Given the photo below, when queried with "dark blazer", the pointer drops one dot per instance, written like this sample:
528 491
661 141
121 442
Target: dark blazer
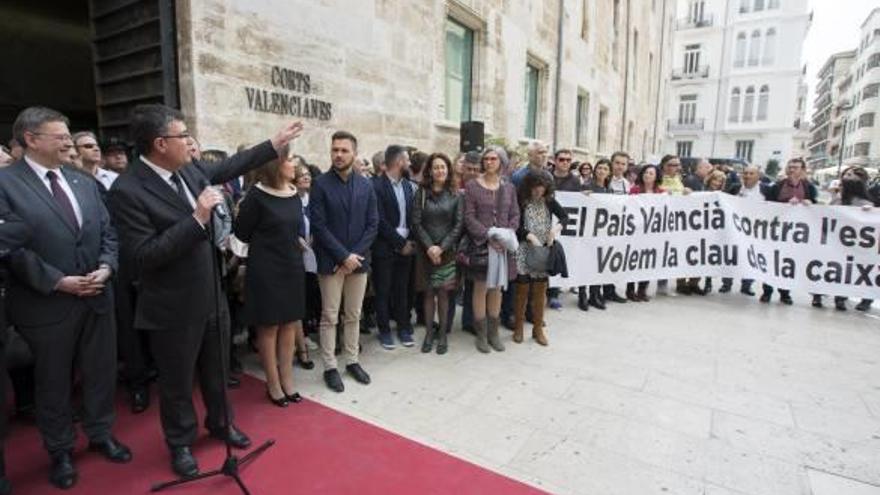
344 219
388 241
14 233
56 248
170 251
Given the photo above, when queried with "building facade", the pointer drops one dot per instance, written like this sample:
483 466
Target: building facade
737 78
410 71
859 108
826 120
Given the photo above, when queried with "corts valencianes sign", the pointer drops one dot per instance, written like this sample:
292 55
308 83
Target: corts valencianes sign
291 96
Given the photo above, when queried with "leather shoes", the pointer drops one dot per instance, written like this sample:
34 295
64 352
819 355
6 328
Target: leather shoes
358 373
140 400
63 475
183 463
614 297
233 436
112 449
333 380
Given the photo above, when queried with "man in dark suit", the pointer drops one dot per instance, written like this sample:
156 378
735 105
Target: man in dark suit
14 234
162 207
393 249
344 222
59 296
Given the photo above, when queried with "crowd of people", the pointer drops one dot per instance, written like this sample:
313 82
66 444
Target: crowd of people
145 265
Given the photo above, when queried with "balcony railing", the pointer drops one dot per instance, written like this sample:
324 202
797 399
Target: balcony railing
675 125
699 73
692 23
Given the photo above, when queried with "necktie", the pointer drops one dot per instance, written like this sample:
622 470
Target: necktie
179 187
62 199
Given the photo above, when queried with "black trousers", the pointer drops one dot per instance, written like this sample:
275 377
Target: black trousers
90 339
391 285
133 344
181 354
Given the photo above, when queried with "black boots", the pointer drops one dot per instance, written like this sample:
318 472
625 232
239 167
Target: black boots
583 303
596 300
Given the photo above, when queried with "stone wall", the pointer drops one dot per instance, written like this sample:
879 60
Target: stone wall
380 64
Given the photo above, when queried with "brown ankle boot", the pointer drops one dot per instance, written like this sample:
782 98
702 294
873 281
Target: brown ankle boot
520 298
539 301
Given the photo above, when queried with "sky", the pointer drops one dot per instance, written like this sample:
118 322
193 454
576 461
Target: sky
836 28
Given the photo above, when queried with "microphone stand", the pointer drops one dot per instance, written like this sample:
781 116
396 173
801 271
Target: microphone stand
231 463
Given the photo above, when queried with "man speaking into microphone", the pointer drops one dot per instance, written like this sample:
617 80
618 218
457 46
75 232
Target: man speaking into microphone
162 208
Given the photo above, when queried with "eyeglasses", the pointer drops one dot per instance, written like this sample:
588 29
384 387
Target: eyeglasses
87 146
564 160
59 137
183 135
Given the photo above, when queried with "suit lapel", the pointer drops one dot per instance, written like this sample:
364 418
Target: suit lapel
157 187
195 183
77 184
39 188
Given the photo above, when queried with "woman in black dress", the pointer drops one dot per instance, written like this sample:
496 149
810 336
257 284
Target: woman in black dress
270 219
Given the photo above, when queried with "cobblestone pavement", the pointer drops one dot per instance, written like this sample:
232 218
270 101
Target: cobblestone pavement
716 395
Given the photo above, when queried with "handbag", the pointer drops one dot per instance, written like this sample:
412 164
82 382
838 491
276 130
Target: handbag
537 258
471 255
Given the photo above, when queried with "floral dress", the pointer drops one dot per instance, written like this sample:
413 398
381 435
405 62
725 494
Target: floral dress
537 221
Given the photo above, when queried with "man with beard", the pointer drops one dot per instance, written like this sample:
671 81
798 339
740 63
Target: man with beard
345 221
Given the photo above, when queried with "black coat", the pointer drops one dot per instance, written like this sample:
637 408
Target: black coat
170 251
56 248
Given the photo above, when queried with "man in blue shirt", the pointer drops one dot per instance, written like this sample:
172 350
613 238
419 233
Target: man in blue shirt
344 221
393 249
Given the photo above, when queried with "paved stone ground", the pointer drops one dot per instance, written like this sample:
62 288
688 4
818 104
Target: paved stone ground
719 395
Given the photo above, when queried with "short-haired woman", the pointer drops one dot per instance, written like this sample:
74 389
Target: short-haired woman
438 221
270 219
303 182
490 202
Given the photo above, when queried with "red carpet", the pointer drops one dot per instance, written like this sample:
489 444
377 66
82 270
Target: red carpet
318 450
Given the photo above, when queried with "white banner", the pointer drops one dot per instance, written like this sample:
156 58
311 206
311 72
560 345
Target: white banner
832 250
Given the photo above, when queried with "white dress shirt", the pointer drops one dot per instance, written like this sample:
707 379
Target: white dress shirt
106 177
753 193
165 175
397 186
41 172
